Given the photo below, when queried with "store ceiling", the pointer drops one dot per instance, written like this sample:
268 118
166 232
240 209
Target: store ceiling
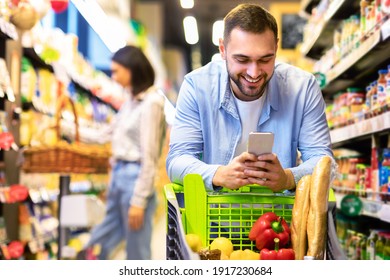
206 12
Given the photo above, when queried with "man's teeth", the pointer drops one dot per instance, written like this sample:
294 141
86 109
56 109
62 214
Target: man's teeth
252 80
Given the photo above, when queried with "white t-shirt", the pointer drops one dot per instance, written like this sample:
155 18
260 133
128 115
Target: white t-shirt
249 112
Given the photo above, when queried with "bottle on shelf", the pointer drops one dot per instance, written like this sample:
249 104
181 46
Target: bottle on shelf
388 86
381 88
354 247
386 250
384 175
379 246
374 99
374 169
350 243
362 247
363 16
372 238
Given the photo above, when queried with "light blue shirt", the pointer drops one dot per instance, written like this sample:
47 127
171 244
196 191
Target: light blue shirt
207 125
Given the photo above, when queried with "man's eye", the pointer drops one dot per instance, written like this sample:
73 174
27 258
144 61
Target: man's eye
241 60
265 60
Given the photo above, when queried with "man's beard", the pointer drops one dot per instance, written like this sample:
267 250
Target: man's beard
249 93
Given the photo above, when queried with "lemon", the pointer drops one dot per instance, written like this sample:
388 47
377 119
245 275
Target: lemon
251 255
222 243
237 255
194 241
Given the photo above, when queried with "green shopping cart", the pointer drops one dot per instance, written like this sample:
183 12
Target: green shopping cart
210 214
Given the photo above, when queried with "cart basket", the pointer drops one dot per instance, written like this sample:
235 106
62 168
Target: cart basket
229 213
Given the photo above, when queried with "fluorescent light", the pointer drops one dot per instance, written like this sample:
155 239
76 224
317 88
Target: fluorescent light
98 20
217 31
187 4
191 30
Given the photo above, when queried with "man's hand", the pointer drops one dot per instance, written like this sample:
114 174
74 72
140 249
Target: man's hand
136 217
267 171
232 176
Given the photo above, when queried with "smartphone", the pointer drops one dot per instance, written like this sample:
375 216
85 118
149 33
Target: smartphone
260 142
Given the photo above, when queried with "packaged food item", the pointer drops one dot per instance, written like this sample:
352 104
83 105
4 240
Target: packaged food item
367 103
381 88
386 250
371 245
361 252
379 246
388 82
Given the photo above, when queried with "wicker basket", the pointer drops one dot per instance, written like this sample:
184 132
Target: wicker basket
64 157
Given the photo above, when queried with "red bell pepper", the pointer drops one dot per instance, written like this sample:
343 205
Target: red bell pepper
277 254
268 227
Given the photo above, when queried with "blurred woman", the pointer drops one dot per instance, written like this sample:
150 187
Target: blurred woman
137 134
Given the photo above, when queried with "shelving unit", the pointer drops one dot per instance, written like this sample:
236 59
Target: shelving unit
64 231
360 129
356 69
375 209
322 35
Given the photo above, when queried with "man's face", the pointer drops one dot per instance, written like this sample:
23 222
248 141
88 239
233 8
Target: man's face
120 74
250 61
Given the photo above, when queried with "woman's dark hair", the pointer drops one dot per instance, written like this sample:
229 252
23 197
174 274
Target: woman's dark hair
142 73
251 18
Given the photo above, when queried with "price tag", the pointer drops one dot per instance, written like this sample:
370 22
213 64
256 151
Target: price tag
384 213
351 205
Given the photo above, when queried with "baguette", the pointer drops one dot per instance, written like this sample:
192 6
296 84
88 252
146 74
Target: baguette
299 217
317 218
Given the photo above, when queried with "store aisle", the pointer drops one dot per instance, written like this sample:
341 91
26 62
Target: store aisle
158 238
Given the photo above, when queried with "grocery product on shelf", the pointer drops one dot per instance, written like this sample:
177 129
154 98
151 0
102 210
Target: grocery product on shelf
388 85
381 87
386 249
379 246
352 54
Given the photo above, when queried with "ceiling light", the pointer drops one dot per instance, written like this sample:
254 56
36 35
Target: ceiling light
187 4
217 31
191 30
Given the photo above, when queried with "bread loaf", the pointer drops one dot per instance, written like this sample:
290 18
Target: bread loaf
317 218
299 217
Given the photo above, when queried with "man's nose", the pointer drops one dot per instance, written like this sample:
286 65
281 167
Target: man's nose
253 70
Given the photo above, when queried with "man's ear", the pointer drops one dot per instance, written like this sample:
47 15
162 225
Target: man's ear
222 50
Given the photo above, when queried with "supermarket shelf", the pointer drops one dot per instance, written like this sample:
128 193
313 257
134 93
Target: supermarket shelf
83 83
357 66
36 61
322 39
374 209
308 5
8 30
365 127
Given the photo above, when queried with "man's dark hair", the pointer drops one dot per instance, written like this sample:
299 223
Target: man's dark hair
142 73
250 18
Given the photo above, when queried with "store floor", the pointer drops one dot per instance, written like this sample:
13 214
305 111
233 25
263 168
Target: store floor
158 238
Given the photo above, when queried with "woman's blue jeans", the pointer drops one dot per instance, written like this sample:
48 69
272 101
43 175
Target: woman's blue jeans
114 228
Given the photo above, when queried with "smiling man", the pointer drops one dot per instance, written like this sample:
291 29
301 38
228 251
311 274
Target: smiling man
220 103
